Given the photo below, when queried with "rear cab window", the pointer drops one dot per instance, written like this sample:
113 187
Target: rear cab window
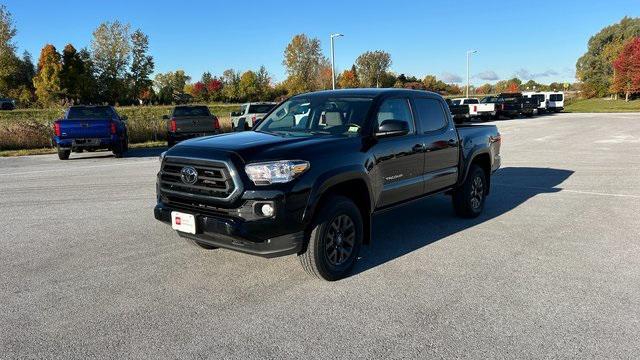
184 111
90 113
470 101
431 115
555 97
260 108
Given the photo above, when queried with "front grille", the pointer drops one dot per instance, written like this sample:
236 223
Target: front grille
214 184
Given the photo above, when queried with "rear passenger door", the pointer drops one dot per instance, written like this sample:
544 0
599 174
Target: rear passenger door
441 144
399 159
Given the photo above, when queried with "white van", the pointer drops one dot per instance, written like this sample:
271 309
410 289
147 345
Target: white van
556 101
541 97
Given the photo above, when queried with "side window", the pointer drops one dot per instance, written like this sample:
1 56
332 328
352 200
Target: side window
431 115
396 109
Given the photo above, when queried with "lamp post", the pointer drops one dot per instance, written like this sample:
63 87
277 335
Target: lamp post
333 67
468 56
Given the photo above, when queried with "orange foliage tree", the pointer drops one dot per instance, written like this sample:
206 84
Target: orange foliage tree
626 78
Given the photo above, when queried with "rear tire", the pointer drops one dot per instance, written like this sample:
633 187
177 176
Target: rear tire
468 199
118 149
335 240
63 154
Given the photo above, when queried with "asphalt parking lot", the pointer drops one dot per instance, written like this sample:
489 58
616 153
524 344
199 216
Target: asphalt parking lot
550 270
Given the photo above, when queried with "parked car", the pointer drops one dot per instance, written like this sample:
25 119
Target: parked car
309 184
471 102
250 114
460 113
529 106
189 121
505 104
541 98
90 128
7 104
556 101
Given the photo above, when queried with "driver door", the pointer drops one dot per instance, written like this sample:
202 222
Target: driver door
399 160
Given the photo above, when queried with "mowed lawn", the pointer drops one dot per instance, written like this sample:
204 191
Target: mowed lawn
602 106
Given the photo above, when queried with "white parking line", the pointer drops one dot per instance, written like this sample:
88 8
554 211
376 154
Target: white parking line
77 168
569 191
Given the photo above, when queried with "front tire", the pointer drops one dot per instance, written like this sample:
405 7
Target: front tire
468 199
335 240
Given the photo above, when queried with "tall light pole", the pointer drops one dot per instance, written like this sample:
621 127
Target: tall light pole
468 56
333 66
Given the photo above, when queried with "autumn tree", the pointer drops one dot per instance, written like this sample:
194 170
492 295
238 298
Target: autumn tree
371 67
595 67
171 85
8 58
627 69
142 64
47 79
303 61
111 51
348 80
231 85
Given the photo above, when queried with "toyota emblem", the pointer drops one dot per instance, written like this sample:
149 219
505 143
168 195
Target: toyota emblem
189 175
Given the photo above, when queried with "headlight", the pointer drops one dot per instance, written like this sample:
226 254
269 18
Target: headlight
274 172
162 154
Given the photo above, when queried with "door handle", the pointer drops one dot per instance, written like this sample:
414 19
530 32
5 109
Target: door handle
453 142
419 147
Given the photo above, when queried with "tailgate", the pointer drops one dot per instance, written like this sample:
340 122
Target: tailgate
85 129
194 124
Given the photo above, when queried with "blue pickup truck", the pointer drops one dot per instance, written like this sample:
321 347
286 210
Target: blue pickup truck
90 128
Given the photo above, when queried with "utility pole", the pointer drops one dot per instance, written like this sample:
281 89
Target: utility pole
333 66
468 56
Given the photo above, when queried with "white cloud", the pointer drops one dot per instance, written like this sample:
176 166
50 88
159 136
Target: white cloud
450 78
527 75
488 75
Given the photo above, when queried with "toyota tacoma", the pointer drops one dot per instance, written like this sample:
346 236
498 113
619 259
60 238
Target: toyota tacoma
309 178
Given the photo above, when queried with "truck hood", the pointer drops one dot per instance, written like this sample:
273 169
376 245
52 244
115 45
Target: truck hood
253 145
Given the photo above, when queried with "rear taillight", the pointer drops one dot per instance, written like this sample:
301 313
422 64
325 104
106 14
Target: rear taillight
173 126
216 123
253 119
475 108
56 128
114 128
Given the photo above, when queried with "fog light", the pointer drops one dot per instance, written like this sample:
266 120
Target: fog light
267 210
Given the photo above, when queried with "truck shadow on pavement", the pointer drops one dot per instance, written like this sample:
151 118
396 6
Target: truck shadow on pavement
132 153
400 231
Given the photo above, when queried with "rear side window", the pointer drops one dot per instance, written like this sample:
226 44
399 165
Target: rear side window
191 111
396 109
471 101
431 115
555 97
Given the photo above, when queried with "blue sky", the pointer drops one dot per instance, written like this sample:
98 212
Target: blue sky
423 37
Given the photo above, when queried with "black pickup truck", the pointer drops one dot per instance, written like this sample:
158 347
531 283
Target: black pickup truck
308 179
459 112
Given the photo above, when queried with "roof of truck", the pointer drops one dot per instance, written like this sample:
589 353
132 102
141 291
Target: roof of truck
369 92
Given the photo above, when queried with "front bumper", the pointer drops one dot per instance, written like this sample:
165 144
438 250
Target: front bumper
264 237
68 143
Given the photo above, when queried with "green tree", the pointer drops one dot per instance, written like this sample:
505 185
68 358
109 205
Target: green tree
231 85
372 66
47 80
595 68
111 51
303 60
264 84
432 83
8 58
249 87
171 85
142 64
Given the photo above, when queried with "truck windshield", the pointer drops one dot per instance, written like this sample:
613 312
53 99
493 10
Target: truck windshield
488 99
260 109
456 102
317 116
89 113
181 111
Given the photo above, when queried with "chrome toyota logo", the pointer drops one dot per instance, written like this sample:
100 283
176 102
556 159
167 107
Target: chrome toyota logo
189 175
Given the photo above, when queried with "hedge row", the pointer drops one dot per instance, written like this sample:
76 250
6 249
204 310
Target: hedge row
32 128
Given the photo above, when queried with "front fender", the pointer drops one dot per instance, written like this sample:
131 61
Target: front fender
332 178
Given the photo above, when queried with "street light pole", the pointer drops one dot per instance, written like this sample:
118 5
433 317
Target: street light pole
469 55
333 67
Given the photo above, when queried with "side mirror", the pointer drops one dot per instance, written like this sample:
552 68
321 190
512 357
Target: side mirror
165 117
392 128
